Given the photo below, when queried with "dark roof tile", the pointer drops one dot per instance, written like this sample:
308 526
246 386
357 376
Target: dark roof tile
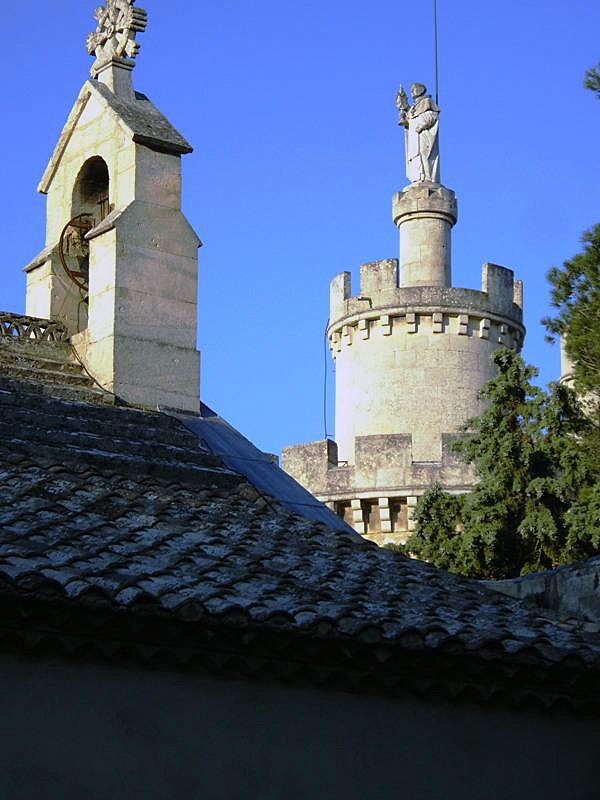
192 550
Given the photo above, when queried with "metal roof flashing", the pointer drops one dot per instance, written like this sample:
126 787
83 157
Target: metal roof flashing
240 455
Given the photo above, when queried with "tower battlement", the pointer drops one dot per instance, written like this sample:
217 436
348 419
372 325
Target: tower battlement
505 294
377 494
500 295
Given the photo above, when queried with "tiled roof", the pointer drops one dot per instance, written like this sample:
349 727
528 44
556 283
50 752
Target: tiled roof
240 455
106 507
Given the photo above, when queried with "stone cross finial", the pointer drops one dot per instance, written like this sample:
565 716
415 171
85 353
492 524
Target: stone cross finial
114 37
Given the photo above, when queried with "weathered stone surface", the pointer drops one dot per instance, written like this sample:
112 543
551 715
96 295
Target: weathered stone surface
47 366
411 355
571 593
309 463
499 285
118 22
411 380
424 214
386 295
136 332
383 463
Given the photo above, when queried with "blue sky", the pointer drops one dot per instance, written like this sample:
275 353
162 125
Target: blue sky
290 108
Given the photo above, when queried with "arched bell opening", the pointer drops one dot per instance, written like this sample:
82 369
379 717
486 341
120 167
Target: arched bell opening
91 190
89 206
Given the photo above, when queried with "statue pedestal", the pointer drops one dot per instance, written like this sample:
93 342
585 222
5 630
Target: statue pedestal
425 214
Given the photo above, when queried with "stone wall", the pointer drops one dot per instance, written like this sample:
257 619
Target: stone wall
410 361
378 493
571 593
136 328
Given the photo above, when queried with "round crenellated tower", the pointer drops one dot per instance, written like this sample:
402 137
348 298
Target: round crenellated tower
411 354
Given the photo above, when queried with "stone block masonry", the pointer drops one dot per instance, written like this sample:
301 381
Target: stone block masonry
133 324
411 354
409 365
412 359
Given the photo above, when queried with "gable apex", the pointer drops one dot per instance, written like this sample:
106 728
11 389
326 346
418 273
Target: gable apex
138 118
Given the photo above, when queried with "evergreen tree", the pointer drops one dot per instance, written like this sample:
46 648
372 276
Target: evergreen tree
533 498
437 537
537 454
592 79
576 294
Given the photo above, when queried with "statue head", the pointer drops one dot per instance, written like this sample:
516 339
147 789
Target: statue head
417 89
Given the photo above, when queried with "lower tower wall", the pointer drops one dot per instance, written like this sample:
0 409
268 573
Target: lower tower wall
378 494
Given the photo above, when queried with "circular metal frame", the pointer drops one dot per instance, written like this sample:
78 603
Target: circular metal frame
82 223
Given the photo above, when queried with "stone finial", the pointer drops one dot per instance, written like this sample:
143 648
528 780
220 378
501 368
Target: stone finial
114 37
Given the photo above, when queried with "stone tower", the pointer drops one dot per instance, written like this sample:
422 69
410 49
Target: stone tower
411 353
120 266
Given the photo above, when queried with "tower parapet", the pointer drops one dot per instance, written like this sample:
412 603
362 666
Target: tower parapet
411 354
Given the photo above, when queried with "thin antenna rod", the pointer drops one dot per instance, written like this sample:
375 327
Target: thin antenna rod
435 47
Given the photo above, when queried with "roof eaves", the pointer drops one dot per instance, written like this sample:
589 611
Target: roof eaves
229 645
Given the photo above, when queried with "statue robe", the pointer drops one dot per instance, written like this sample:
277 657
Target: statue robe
422 148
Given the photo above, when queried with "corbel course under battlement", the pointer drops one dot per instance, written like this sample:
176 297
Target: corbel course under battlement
370 324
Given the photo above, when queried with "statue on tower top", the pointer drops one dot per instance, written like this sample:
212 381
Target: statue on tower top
421 122
114 37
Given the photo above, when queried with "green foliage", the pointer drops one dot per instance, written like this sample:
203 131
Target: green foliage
533 501
592 79
536 453
583 524
438 515
576 294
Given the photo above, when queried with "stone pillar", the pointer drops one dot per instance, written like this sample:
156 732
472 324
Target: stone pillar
140 341
384 515
425 214
116 74
358 521
411 502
